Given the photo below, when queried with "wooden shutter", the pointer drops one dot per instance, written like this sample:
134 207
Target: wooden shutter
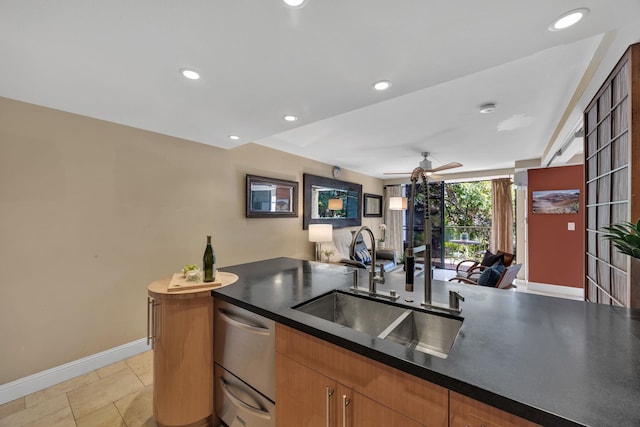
612 155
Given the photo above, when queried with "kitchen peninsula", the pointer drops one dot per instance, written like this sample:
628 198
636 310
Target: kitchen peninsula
547 360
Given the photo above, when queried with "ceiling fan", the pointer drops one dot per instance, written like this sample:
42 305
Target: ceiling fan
427 167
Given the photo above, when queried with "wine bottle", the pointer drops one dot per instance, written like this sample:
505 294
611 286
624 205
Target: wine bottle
209 262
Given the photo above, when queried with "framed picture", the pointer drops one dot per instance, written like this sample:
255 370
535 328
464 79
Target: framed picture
330 201
271 198
372 205
556 202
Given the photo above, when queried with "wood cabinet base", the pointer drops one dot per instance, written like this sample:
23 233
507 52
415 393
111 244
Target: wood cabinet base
183 359
306 366
319 384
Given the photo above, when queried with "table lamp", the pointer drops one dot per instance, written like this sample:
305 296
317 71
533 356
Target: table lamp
397 203
320 233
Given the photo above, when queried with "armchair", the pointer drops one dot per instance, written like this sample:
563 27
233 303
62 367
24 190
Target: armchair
470 268
504 281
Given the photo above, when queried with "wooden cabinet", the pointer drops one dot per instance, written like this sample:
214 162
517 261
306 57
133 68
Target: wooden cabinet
357 410
304 397
307 398
182 336
319 384
466 412
365 392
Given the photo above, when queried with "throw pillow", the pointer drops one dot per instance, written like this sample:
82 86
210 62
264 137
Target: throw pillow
363 256
490 258
490 276
507 258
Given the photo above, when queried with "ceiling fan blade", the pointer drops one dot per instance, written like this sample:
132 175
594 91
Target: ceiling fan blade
429 172
445 167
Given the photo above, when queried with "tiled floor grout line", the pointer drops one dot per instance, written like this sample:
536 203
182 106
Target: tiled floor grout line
66 394
121 414
75 419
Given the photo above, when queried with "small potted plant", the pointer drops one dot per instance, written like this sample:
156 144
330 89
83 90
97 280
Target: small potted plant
383 234
626 237
327 253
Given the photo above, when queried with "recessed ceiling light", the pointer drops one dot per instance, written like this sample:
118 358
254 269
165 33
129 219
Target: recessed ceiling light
487 108
568 19
234 137
294 3
382 85
189 73
290 118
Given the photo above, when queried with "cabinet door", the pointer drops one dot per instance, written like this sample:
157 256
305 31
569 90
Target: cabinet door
183 380
467 412
305 397
357 410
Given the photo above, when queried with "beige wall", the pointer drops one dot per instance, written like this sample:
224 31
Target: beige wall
91 212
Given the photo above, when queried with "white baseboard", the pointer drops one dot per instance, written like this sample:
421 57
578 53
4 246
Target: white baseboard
556 289
41 380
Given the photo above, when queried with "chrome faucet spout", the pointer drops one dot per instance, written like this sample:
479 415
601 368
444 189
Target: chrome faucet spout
374 278
427 276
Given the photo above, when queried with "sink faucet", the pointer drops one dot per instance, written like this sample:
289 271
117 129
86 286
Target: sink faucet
374 277
454 301
454 298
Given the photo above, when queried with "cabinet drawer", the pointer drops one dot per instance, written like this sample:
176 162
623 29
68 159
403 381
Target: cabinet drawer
238 404
244 344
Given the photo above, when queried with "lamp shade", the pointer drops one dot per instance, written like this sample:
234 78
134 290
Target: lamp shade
335 204
397 203
320 233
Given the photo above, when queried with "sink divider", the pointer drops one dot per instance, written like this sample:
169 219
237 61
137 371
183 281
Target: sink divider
395 324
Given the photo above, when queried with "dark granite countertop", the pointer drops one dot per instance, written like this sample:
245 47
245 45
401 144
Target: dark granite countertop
552 361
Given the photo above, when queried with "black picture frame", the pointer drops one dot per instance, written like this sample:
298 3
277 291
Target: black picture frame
271 197
372 205
354 208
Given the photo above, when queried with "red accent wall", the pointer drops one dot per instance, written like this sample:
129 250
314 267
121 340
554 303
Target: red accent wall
556 255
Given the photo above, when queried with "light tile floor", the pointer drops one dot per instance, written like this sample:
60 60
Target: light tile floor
118 395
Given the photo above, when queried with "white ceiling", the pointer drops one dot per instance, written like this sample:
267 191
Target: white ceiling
118 60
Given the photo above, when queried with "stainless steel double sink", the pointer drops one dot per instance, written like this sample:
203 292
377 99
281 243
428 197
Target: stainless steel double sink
429 332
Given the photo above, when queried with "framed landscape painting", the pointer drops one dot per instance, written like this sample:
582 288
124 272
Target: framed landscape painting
556 202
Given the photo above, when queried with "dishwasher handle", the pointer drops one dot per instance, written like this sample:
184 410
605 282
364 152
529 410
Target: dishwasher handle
226 316
238 402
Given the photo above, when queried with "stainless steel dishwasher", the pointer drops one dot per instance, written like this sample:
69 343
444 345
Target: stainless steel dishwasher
244 356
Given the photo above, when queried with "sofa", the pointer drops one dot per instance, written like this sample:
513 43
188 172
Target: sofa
342 238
